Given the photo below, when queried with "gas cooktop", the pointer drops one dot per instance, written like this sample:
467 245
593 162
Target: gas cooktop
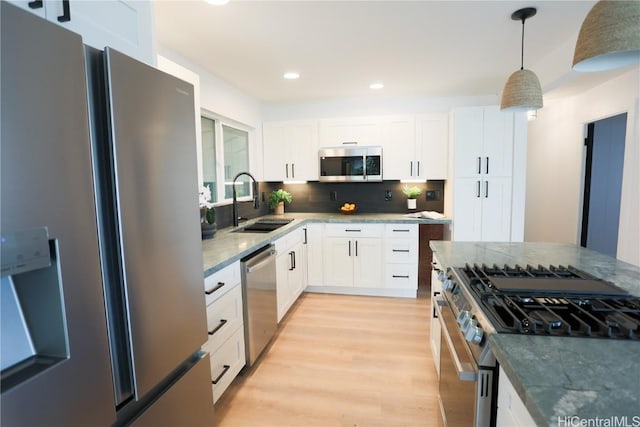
552 300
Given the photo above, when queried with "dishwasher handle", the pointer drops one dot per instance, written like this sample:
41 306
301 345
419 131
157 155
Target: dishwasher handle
263 261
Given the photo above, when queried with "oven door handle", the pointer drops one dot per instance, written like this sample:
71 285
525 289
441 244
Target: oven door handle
466 371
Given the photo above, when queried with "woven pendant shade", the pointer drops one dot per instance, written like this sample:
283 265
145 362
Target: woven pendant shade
609 37
522 92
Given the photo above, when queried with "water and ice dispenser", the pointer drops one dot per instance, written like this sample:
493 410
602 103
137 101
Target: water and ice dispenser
33 335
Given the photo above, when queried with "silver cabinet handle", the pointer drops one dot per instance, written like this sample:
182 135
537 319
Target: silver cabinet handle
293 170
356 248
399 277
292 261
352 230
286 170
400 250
349 247
486 189
418 169
487 166
479 164
411 168
478 190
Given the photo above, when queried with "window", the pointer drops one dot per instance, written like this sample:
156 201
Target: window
236 160
221 162
209 157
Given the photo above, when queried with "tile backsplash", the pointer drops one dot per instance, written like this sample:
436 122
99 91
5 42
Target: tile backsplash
370 197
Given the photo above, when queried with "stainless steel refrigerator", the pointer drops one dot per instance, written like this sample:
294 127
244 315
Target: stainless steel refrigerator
103 310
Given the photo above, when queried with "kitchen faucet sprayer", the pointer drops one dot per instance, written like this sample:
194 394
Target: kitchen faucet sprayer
256 203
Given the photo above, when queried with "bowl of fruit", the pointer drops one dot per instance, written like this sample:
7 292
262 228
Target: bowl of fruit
348 208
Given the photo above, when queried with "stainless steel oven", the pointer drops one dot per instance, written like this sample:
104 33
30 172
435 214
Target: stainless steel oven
468 379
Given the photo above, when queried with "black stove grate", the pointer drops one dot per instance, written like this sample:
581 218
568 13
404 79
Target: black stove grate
577 304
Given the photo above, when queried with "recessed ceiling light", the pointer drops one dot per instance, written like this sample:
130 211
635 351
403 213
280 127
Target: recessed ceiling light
217 2
291 76
376 85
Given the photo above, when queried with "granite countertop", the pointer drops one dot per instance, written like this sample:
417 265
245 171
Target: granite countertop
227 246
591 379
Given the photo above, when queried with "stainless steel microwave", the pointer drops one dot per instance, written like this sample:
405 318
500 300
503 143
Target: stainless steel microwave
350 164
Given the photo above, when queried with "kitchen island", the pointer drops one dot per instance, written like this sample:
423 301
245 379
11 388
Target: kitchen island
563 381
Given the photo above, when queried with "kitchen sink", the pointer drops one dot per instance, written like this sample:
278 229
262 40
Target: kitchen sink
264 226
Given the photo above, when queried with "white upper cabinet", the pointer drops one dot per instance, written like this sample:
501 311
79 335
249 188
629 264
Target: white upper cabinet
432 146
290 151
126 26
399 149
483 147
350 131
483 142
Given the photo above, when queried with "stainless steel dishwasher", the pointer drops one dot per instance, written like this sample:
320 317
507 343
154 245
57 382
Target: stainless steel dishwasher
260 302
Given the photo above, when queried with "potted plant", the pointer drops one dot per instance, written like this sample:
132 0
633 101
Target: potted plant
412 193
208 226
277 199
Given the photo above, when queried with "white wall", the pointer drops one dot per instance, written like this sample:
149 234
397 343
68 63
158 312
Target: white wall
370 106
555 167
187 75
227 102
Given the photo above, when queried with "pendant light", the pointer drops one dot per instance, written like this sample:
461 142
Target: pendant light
609 37
522 92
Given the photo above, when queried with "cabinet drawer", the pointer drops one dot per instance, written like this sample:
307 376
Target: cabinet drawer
354 230
401 230
224 316
401 276
221 282
227 362
401 251
286 242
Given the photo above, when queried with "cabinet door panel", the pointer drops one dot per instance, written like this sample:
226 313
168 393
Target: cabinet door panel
360 130
303 146
338 261
399 154
497 156
432 146
275 151
367 263
467 127
467 209
315 257
496 210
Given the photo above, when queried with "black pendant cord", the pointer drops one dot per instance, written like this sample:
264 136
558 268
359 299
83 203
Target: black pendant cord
522 47
522 15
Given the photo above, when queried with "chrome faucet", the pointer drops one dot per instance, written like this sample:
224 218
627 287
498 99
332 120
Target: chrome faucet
256 204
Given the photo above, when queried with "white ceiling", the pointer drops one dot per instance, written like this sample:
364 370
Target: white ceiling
417 48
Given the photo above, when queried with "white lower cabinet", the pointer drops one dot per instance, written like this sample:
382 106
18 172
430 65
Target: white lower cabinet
314 254
511 409
225 325
483 209
353 255
290 270
401 257
436 328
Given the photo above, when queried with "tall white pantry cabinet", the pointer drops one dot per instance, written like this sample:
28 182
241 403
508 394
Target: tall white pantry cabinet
489 170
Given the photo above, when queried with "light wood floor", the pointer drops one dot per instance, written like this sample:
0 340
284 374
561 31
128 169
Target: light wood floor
341 361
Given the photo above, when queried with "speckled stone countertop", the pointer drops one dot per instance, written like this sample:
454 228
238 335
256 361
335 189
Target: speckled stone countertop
228 246
590 379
